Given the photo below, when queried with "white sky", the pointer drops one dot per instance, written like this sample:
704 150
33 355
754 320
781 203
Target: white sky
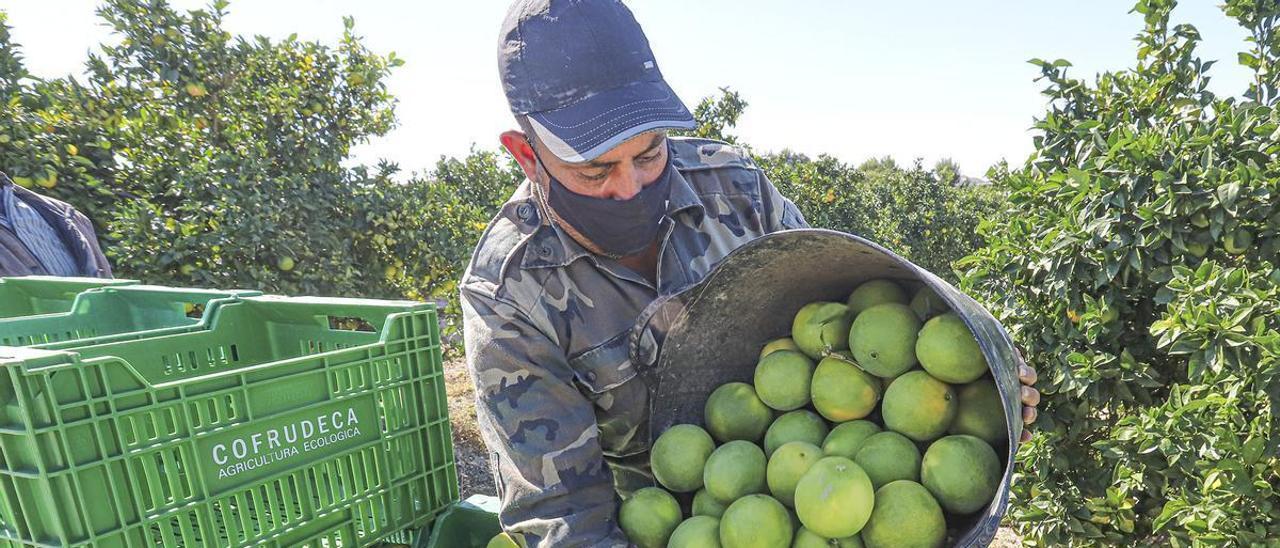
853 78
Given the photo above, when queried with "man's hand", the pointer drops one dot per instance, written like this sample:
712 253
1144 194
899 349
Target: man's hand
1030 397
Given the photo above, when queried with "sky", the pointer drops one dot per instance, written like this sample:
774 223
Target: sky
910 79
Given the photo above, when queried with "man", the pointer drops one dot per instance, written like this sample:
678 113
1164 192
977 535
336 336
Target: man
43 236
614 213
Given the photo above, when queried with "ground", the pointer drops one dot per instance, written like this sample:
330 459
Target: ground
473 465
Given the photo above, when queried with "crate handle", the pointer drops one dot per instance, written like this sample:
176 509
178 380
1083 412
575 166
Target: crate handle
350 323
341 314
187 299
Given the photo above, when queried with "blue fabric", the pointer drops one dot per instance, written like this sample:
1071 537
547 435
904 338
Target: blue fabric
585 130
34 232
4 206
584 73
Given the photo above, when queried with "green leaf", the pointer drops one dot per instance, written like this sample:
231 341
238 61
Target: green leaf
1252 450
1170 511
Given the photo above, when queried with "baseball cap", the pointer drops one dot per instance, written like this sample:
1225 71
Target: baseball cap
583 74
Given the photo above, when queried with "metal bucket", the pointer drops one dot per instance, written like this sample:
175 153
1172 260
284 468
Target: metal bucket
687 344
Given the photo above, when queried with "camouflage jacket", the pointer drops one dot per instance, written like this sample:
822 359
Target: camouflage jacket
547 328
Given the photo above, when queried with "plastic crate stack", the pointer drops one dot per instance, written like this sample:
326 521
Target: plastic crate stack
45 294
135 415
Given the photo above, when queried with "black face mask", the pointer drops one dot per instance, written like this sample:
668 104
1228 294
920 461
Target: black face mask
618 227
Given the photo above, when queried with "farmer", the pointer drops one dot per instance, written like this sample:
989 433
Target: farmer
43 236
614 213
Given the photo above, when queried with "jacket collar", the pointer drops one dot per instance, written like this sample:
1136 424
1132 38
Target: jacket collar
60 217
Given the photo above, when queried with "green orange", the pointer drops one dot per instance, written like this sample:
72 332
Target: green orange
883 339
873 293
649 516
842 391
918 406
734 412
834 498
678 456
782 379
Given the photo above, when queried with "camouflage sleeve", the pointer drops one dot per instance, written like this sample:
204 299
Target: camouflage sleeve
782 213
541 432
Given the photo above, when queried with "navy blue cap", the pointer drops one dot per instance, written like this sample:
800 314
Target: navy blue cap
583 73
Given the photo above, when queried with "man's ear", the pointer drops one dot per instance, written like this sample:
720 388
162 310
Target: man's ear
517 144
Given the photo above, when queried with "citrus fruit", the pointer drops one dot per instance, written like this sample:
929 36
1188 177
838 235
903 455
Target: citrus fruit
979 412
502 540
883 339
962 472
905 515
1237 241
734 412
808 539
649 516
841 391
845 439
799 425
787 465
696 532
755 521
1197 248
706 505
782 379
50 180
948 351
918 406
775 345
873 293
734 470
889 456
927 304
821 327
678 456
834 498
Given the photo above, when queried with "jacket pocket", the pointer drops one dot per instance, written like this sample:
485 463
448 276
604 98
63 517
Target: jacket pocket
605 366
621 399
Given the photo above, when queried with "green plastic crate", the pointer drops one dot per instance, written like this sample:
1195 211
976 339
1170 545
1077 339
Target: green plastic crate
31 295
100 315
471 523
289 422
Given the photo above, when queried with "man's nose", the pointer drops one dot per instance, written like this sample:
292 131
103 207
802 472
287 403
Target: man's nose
624 183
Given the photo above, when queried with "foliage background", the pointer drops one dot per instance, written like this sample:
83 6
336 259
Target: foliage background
212 160
1134 261
1131 255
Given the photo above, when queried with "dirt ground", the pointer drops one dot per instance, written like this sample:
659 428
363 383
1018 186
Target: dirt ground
473 465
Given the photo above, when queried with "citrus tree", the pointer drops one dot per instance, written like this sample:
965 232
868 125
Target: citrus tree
1134 263
213 160
432 224
235 148
12 70
914 212
207 159
924 215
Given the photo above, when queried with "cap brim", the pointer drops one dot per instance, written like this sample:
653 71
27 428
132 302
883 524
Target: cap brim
583 131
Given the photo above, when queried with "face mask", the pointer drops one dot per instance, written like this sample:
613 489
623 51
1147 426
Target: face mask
618 227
